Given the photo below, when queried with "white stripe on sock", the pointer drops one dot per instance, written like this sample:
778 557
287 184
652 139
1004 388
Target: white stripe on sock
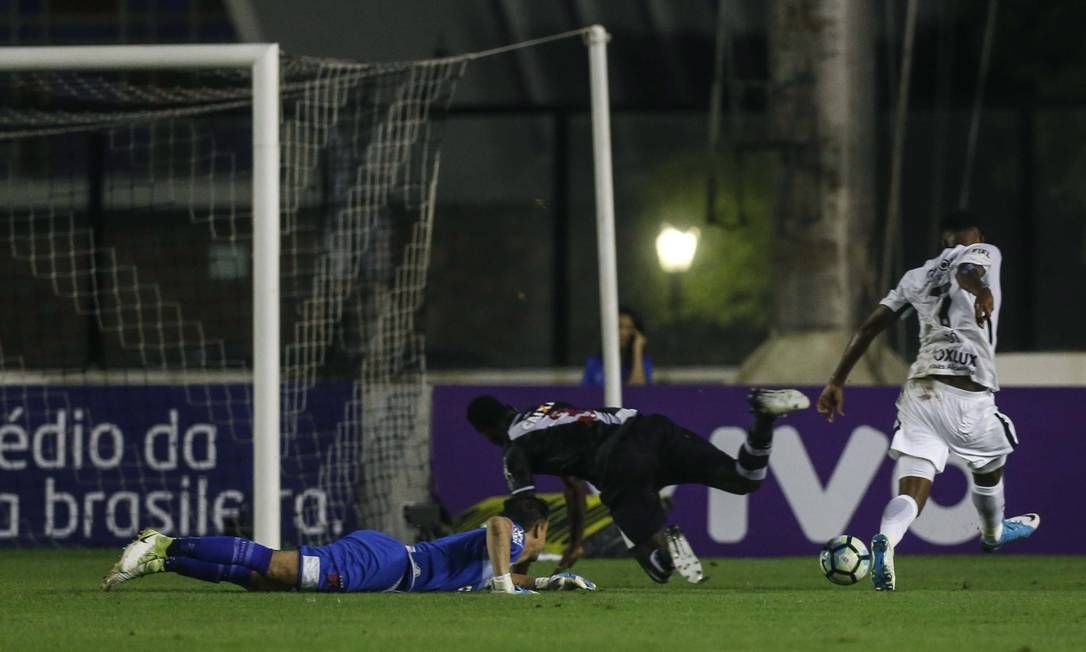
757 452
751 474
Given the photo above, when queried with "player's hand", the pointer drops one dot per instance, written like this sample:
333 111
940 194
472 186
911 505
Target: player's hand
564 582
504 584
570 557
639 340
984 305
832 400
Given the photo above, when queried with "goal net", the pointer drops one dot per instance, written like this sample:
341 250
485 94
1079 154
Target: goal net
212 275
126 288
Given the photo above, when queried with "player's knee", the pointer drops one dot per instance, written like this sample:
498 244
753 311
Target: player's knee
991 473
741 485
736 484
746 485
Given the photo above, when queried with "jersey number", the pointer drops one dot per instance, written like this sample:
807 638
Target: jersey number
944 311
944 306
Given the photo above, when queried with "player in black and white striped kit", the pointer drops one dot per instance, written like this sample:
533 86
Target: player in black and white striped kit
629 457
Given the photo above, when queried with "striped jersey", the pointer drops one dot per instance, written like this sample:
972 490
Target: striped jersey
558 439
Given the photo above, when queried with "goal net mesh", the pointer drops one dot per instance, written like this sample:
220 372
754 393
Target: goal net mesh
126 272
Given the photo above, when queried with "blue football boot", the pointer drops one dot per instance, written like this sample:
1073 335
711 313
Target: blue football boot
1014 529
882 563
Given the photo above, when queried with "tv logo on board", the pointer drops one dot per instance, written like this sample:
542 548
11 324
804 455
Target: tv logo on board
824 511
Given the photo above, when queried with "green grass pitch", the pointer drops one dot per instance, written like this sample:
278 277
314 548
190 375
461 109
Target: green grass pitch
50 600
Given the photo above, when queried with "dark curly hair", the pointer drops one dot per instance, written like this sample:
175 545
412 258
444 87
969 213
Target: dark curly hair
526 510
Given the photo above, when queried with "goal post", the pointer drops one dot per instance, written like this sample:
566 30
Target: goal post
342 175
605 213
266 372
263 60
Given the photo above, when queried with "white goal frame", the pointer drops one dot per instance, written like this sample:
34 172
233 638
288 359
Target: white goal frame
263 60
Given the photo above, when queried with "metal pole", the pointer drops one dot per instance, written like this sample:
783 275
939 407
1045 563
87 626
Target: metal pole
978 104
893 204
131 57
263 59
605 214
266 480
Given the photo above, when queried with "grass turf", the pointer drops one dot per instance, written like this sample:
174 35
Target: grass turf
50 600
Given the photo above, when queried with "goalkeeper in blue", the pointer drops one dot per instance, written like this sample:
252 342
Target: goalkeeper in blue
362 562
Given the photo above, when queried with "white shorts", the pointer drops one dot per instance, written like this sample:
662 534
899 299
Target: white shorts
935 419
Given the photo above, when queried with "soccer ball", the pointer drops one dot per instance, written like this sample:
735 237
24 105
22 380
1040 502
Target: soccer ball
844 560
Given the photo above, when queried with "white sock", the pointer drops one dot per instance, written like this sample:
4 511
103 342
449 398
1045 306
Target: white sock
989 502
897 517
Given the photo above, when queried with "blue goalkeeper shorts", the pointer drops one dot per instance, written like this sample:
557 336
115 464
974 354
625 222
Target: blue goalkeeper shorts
362 561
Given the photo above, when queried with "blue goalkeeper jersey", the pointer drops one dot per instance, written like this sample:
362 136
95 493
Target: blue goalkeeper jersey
458 562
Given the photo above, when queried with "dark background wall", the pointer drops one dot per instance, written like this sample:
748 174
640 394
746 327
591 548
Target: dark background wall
512 281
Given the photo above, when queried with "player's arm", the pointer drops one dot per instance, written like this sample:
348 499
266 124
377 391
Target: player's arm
518 469
971 279
637 362
574 491
518 474
833 396
499 532
521 568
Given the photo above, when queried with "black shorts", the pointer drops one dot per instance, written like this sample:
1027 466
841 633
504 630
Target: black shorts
654 452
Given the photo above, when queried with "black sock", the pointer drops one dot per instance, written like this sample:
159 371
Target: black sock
760 434
754 453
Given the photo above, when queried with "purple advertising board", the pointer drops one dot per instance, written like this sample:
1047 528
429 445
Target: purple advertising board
98 463
825 479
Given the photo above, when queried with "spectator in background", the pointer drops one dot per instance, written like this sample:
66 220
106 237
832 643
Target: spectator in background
636 366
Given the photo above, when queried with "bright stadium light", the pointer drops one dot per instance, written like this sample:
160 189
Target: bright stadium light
675 249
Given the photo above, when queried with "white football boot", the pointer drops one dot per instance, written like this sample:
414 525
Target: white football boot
777 402
145 555
683 557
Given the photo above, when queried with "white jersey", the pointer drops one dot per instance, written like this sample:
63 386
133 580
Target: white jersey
951 342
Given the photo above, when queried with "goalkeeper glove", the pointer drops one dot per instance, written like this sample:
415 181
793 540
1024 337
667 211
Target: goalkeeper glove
504 584
564 582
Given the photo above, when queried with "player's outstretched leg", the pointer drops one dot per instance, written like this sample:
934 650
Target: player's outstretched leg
766 405
223 550
988 498
690 459
777 402
914 486
1014 529
210 559
145 555
898 515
